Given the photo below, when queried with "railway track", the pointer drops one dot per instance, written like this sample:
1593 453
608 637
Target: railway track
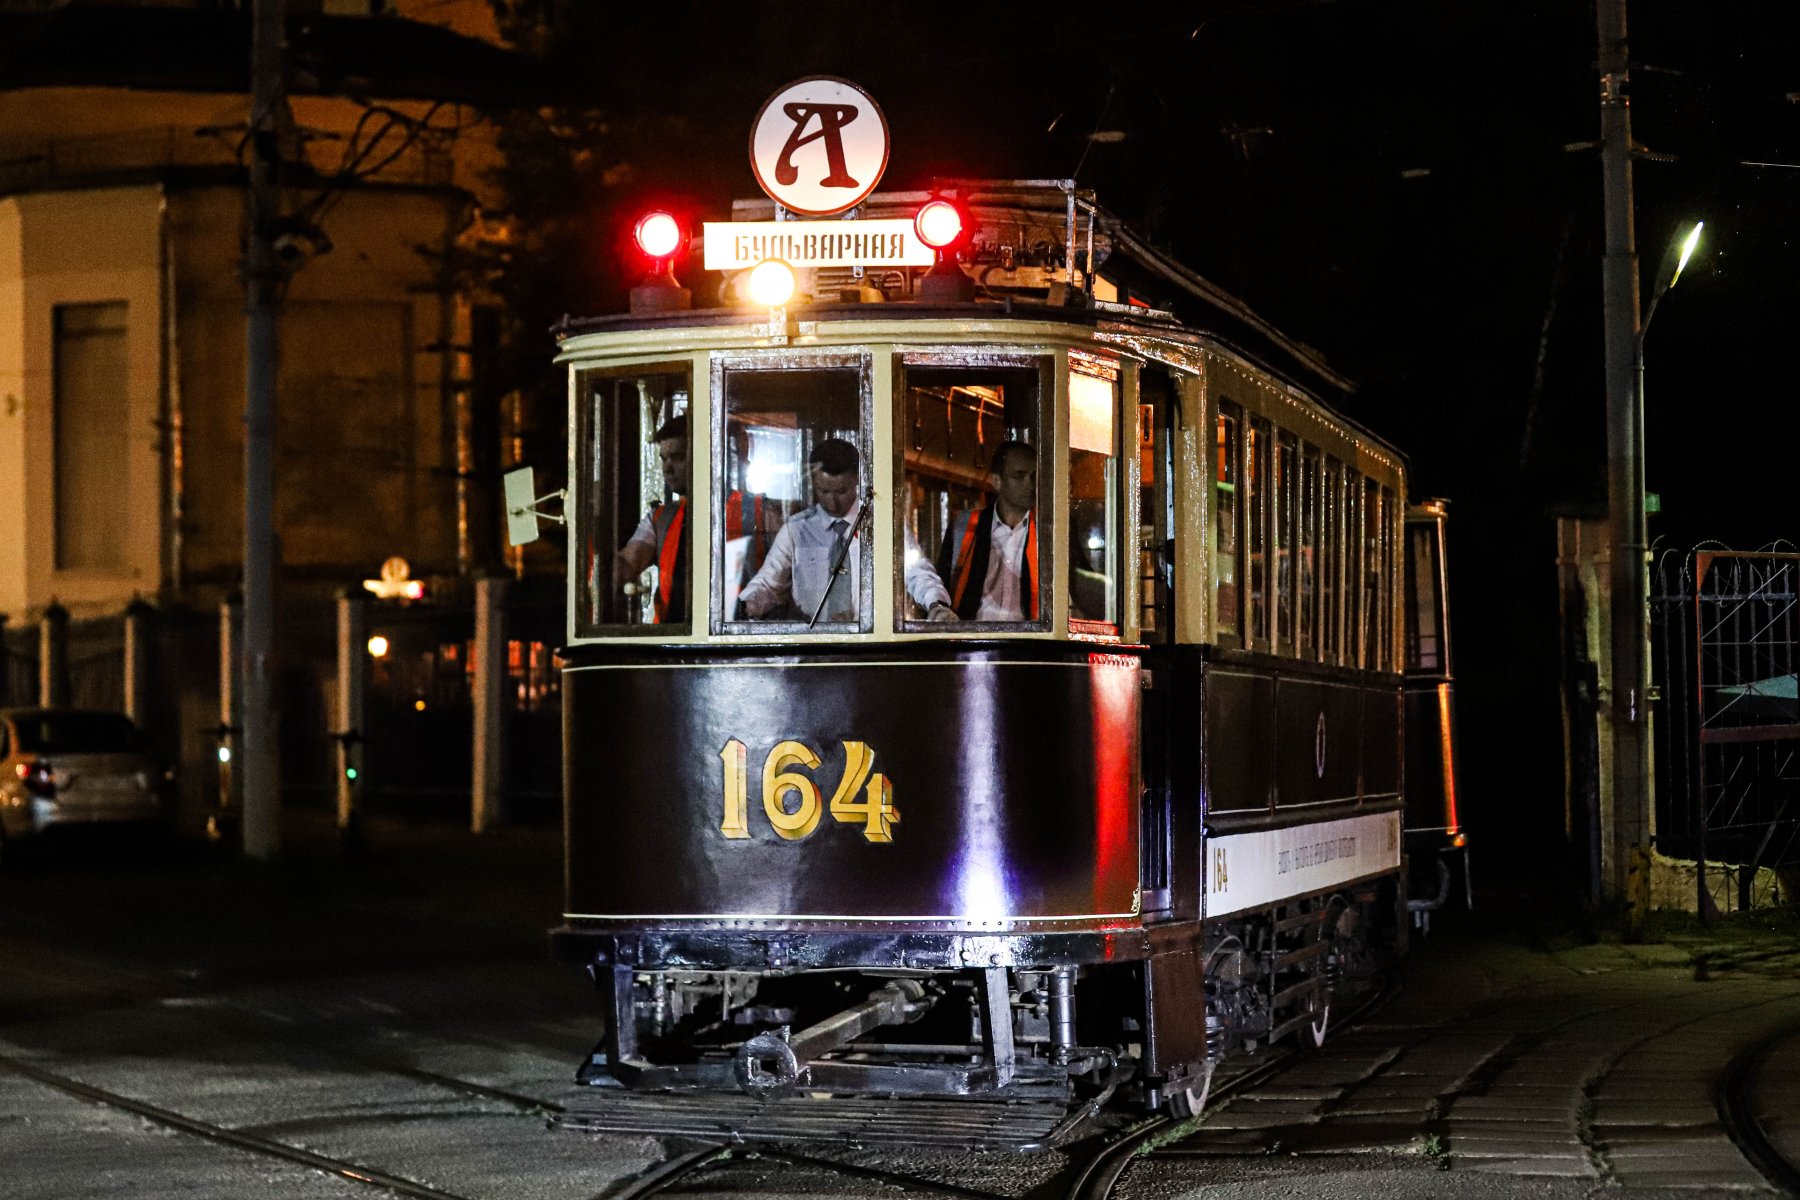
354 1172
1096 1165
252 1024
1742 1112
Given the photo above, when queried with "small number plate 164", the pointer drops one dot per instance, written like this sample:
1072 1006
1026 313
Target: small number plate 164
793 802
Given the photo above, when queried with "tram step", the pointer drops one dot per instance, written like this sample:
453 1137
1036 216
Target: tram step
971 1124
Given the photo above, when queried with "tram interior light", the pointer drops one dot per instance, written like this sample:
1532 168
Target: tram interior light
657 234
771 283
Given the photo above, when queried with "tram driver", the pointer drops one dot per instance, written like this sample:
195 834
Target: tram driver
663 538
987 568
814 557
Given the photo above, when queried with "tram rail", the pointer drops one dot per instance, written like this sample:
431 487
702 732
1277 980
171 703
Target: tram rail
353 1172
1742 1114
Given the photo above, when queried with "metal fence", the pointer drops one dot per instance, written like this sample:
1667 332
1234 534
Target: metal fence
1726 644
419 713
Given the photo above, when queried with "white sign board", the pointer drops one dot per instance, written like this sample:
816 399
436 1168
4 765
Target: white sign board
819 145
520 488
1254 870
732 245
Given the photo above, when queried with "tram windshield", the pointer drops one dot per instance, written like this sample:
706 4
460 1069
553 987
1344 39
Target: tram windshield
972 543
793 536
635 481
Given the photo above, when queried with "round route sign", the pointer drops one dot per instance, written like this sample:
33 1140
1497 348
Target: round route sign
819 145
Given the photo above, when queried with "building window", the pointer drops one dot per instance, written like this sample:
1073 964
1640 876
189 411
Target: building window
92 428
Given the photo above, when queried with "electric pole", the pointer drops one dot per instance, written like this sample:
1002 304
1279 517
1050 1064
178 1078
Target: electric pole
261 767
1620 606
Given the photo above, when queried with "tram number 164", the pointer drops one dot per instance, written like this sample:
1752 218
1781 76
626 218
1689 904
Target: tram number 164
782 788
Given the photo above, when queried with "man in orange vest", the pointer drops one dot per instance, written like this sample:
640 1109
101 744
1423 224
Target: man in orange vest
987 569
662 537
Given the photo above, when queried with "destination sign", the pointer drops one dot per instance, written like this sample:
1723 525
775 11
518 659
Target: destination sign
731 245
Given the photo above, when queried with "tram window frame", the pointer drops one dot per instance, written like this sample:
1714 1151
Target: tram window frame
1307 547
1107 370
974 362
592 458
1353 568
1390 520
723 367
1284 541
1257 439
1423 580
1330 564
1159 400
1372 655
1228 574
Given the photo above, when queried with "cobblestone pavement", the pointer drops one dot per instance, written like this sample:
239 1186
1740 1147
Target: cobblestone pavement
1598 1065
403 1016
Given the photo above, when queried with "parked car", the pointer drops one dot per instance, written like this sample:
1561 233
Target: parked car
69 767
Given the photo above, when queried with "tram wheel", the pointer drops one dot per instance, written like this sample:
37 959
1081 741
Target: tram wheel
1186 1103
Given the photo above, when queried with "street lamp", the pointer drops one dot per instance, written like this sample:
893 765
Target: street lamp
1678 255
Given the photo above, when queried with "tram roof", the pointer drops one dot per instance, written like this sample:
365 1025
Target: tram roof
1182 301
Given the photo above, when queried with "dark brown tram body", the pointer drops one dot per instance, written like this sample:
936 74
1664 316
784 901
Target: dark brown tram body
1153 818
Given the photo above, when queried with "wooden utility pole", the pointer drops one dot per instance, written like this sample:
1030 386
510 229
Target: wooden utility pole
1620 605
260 764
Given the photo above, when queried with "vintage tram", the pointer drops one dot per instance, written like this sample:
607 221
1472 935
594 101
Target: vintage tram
984 682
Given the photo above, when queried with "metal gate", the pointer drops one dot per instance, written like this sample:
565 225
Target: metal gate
1725 626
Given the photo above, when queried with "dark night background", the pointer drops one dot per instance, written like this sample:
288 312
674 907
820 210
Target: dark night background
1410 187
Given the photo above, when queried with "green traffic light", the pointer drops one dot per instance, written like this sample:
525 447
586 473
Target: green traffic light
350 773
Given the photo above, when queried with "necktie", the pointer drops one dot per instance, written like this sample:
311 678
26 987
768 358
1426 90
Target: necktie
838 605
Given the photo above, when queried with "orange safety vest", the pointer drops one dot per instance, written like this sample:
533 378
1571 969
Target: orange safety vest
743 518
971 526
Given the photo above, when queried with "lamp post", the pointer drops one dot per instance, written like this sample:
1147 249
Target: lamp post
1674 260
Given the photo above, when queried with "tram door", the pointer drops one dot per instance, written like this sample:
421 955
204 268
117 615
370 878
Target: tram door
1156 571
1434 833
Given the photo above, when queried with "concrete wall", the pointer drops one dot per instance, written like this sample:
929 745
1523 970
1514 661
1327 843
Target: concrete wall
362 452
74 247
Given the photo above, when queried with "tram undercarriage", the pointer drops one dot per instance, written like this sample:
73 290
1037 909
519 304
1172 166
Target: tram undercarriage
1064 1039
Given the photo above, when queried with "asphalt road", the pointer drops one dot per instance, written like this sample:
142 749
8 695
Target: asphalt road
176 1024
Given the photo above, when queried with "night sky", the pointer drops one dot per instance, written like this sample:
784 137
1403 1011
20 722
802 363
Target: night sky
1410 188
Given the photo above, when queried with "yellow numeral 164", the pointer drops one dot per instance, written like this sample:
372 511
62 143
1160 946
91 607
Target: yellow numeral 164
875 811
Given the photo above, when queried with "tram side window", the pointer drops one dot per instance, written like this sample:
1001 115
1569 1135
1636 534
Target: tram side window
1094 517
1353 571
794 550
972 511
1389 560
1330 557
1156 502
635 530
1287 480
1307 550
1371 526
1225 519
1256 479
1424 628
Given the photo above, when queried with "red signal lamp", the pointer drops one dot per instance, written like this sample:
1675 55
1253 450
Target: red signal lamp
944 226
658 235
940 224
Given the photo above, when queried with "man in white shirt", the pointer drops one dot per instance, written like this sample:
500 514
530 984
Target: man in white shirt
987 569
814 541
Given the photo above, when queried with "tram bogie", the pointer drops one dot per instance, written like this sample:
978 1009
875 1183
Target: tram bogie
978 691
